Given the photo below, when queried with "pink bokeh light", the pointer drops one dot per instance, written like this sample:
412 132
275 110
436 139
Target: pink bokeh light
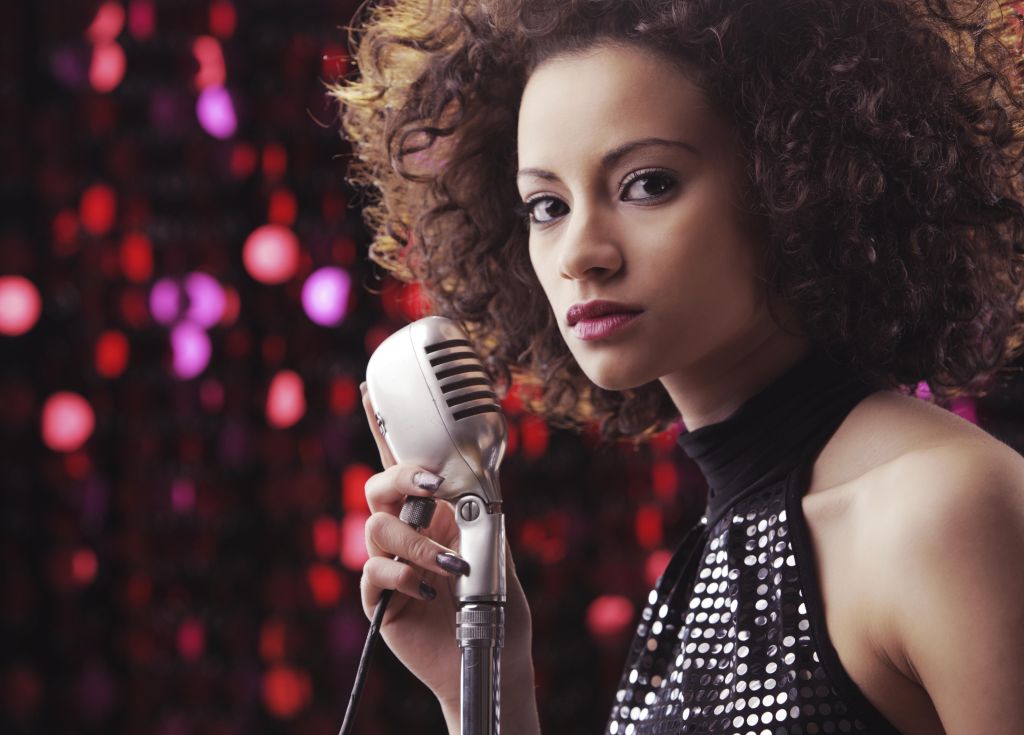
286 400
271 254
20 305
68 421
107 68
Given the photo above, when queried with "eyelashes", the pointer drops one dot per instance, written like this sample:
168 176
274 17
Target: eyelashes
528 210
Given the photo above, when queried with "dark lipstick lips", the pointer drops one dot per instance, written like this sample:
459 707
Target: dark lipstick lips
593 309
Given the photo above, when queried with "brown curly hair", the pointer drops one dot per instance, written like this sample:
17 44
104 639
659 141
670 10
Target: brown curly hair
882 141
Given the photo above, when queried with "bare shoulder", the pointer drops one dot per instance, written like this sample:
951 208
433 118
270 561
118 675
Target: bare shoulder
942 528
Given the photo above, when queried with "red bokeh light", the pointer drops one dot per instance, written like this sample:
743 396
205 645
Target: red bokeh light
83 566
222 18
67 421
283 208
134 307
273 636
111 353
275 161
20 305
665 479
353 540
608 616
353 487
97 209
655 565
286 400
286 691
545 538
534 436
344 395
141 19
325 537
243 160
325 584
191 639
137 257
647 525
65 232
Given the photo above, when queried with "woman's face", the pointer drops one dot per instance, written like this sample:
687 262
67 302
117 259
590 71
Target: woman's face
654 225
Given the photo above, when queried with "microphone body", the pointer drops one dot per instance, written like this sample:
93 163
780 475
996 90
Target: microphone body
436 408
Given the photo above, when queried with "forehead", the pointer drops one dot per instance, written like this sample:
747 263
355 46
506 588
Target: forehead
585 103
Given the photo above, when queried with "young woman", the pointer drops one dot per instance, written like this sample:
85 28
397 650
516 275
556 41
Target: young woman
768 219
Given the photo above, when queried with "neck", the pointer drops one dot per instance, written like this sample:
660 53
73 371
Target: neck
712 389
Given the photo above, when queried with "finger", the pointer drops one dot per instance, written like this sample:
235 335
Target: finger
387 490
381 573
386 457
390 537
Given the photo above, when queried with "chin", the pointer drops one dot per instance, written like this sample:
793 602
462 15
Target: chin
613 380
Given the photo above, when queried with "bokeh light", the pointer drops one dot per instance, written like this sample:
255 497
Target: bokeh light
107 23
271 254
97 209
141 19
107 68
286 400
216 112
191 350
609 616
67 421
165 301
325 296
20 305
206 300
112 350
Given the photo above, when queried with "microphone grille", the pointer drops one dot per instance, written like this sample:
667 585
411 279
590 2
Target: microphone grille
462 379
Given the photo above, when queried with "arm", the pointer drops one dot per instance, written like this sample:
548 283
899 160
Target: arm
959 625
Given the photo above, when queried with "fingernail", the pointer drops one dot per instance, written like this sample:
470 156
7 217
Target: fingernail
427 591
451 563
427 480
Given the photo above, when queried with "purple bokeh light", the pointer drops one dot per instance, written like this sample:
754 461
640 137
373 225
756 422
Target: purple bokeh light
206 299
325 295
191 347
165 301
216 112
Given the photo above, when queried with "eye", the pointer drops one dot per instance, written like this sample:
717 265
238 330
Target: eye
651 182
529 209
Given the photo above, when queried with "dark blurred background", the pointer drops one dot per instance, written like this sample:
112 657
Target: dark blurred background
186 312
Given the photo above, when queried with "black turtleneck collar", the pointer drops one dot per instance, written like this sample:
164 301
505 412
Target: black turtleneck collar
778 428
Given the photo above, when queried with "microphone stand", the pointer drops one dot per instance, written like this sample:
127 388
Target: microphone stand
480 619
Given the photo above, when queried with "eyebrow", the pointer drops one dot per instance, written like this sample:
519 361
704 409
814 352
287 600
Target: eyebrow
610 158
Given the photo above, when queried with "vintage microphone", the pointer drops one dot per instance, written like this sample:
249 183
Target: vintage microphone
436 408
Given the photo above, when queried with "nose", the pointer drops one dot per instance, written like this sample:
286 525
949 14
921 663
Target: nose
590 246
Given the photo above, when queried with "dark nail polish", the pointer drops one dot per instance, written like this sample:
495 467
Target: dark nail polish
427 480
451 563
427 591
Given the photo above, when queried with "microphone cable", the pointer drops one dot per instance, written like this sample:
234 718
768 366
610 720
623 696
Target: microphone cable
417 512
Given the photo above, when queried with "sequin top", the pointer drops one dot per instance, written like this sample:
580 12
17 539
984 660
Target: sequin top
733 637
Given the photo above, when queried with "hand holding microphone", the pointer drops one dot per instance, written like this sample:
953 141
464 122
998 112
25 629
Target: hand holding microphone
428 401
